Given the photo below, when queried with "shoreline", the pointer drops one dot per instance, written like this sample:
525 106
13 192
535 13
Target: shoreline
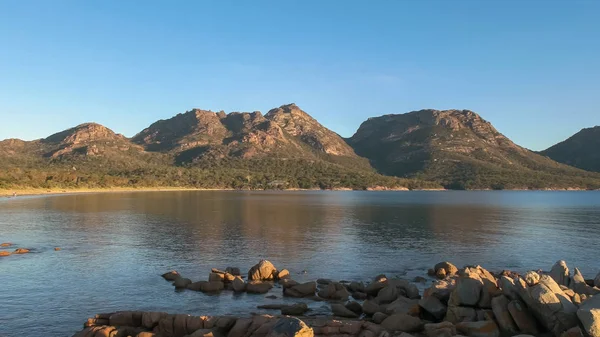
65 191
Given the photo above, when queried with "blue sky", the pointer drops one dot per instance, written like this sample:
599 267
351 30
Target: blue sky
532 68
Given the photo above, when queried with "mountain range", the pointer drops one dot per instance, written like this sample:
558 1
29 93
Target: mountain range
287 148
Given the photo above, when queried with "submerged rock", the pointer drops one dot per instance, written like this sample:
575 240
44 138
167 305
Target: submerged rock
258 287
21 251
171 275
5 244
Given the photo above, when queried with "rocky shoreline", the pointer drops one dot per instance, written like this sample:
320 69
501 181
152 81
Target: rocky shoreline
462 302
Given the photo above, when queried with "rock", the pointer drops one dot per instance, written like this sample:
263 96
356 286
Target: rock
334 291
433 306
288 283
181 282
370 307
258 287
5 244
301 290
216 277
441 289
457 314
233 271
589 316
56 249
262 271
522 317
405 286
503 316
171 276
283 274
443 329
238 284
354 307
297 309
579 285
272 297
573 332
419 279
447 268
151 319
324 281
4 253
341 311
475 287
508 288
402 322
240 328
358 287
21 251
560 273
403 305
387 295
203 333
379 317
597 281
126 318
290 327
532 278
576 299
479 329
360 296
374 287
211 287
271 306
549 304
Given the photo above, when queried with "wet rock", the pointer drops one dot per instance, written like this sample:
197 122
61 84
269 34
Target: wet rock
301 290
522 317
21 251
182 282
387 295
479 329
447 268
297 309
334 291
379 317
341 311
403 305
324 281
457 314
235 271
589 316
549 304
290 327
171 276
354 307
4 253
560 273
503 316
216 277
56 249
370 307
258 287
283 274
433 306
262 271
402 322
209 287
238 284
5 244
443 329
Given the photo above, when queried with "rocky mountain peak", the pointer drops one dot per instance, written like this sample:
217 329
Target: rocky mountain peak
83 133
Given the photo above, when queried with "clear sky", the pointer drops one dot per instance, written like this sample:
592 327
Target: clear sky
532 68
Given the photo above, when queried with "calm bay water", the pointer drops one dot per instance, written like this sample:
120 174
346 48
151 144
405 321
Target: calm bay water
115 245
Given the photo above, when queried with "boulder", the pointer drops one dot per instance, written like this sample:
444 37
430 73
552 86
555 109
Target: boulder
324 281
522 317
5 244
532 278
233 271
283 274
171 275
240 328
202 333
443 329
475 287
447 267
181 282
290 327
301 290
374 287
457 314
403 305
334 291
560 273
579 285
219 277
433 306
597 281
370 307
406 287
589 316
211 287
359 295
573 332
354 307
479 329
238 284
359 287
151 319
549 304
21 251
4 253
340 310
387 295
262 271
379 317
508 287
441 274
258 287
502 315
441 289
297 309
402 322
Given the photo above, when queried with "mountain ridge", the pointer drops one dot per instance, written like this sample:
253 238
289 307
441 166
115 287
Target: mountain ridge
580 150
